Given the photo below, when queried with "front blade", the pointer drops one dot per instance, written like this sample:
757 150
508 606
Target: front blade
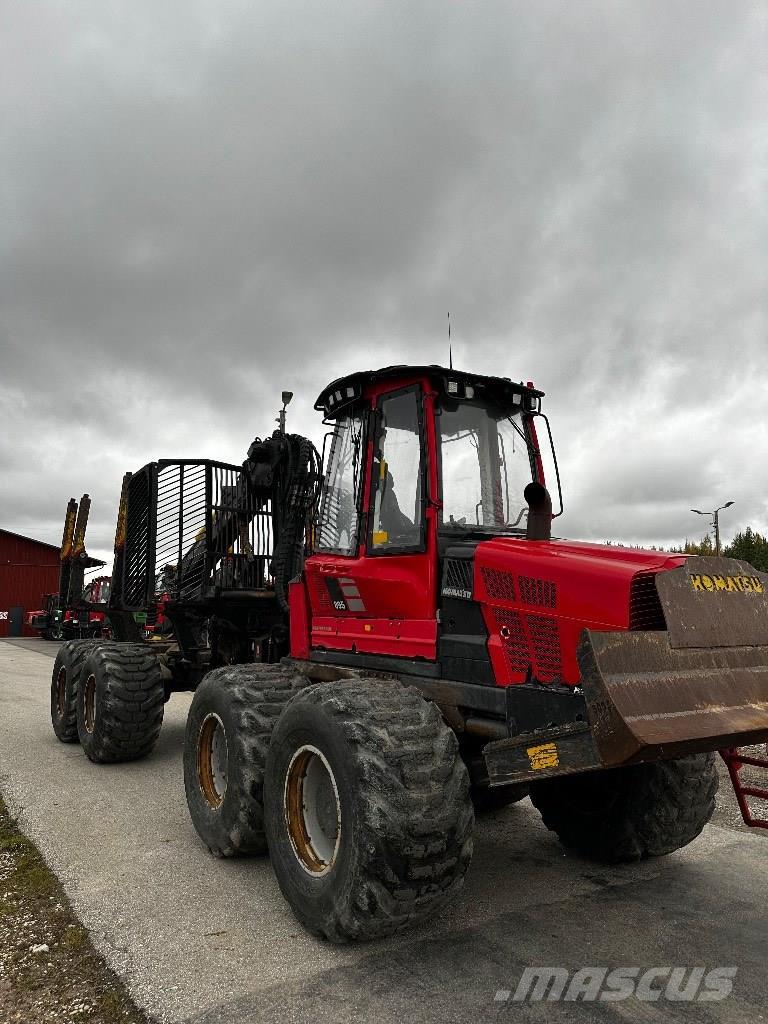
647 700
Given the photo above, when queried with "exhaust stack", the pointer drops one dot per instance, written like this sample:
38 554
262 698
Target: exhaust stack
539 512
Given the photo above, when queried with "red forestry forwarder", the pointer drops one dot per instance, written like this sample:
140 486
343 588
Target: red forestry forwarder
377 647
77 610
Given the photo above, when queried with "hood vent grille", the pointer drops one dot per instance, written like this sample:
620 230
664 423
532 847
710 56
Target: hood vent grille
500 585
537 592
645 611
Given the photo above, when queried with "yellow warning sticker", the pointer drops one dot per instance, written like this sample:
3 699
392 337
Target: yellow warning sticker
726 584
543 756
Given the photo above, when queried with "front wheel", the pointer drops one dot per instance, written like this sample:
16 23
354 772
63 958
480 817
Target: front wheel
229 728
625 814
367 809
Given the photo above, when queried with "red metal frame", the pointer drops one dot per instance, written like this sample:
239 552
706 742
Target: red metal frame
735 761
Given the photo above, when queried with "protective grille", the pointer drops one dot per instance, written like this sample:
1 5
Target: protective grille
530 640
500 585
457 575
211 531
514 639
537 592
192 528
138 551
645 611
545 640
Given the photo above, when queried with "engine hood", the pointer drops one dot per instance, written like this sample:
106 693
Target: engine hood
573 580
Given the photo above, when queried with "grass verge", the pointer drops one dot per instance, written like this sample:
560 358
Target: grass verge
49 970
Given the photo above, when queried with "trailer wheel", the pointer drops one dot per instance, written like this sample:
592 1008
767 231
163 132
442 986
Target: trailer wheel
367 809
229 727
66 672
120 702
626 814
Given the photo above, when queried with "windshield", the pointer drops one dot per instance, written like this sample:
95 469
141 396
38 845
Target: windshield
486 465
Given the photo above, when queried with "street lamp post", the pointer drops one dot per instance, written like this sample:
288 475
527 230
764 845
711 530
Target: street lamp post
715 522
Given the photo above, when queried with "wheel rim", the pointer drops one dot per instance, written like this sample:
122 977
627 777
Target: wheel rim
312 810
57 633
89 698
212 760
61 692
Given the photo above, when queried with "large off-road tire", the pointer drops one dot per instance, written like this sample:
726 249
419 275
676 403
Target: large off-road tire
625 814
367 807
229 728
64 679
120 702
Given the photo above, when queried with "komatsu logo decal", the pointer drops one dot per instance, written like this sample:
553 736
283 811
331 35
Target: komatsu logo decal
727 584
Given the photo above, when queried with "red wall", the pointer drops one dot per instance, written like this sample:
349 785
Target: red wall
28 569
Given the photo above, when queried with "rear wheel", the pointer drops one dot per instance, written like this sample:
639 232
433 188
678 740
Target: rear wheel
625 814
64 680
367 804
120 702
229 728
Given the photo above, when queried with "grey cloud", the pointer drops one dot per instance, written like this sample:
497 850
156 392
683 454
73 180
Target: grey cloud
203 204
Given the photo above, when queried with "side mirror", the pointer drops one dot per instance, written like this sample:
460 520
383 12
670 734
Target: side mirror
553 453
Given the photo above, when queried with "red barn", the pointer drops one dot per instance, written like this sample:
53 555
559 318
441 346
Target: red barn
28 569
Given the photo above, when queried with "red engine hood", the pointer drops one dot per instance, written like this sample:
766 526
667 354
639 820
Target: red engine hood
573 580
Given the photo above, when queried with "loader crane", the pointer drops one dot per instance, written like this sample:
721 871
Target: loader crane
381 639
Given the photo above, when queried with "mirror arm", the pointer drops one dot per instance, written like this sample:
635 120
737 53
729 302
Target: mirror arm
554 460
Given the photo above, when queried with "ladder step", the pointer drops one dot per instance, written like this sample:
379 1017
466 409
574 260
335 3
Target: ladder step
735 761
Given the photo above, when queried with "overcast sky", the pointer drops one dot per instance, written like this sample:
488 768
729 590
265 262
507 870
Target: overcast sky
203 203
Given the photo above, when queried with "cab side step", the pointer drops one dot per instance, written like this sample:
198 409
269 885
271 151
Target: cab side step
735 760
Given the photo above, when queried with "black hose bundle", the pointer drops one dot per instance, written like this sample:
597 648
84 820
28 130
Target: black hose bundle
299 481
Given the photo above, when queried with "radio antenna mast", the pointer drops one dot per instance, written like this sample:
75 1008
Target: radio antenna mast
450 352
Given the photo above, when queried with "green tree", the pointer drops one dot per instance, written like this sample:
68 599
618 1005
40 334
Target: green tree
702 547
750 547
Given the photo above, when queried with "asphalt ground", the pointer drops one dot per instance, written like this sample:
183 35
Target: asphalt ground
212 941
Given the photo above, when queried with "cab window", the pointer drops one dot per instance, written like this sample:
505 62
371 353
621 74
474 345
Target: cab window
338 519
397 517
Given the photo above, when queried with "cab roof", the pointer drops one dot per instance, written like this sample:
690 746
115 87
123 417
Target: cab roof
345 391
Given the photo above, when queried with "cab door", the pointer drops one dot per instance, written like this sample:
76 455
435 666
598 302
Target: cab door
377 595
